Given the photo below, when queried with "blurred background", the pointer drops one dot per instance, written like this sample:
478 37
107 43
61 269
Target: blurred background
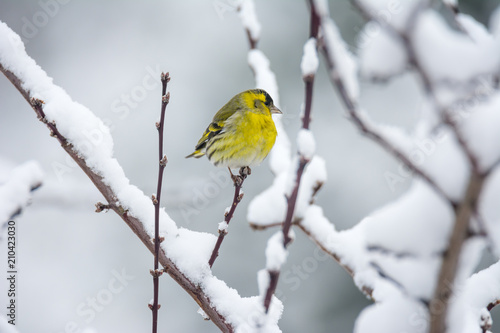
108 56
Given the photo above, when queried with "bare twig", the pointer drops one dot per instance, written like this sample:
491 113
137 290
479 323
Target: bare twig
156 273
137 226
493 304
238 183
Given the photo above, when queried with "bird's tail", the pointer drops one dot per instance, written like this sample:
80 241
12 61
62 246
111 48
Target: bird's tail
196 154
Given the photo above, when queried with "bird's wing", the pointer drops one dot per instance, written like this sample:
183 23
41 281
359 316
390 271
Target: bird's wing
212 130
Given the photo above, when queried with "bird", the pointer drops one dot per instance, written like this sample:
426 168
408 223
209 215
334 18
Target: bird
242 132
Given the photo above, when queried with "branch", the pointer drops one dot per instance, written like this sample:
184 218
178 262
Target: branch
449 265
308 77
366 129
238 183
365 289
465 209
194 290
165 78
15 193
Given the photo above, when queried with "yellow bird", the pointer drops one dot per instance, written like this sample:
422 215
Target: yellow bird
241 133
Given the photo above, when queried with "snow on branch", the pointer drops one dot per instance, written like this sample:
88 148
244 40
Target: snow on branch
184 253
15 193
452 67
337 56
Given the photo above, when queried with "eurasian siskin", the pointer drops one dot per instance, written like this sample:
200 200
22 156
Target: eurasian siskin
242 132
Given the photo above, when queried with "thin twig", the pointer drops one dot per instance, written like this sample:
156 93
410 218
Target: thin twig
493 304
303 161
238 183
156 273
136 225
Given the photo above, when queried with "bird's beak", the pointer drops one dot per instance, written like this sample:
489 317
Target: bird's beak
275 110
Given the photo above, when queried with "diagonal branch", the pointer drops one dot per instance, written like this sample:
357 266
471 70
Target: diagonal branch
137 226
238 183
366 129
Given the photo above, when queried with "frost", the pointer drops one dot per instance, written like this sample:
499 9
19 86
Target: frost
203 314
411 317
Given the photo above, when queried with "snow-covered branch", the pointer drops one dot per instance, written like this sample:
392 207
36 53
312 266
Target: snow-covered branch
184 253
343 74
427 61
15 193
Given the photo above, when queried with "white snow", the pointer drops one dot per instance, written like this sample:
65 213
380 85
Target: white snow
265 79
223 226
419 222
15 192
381 55
447 54
306 144
310 62
390 12
276 253
263 280
248 17
411 317
481 130
344 62
469 307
